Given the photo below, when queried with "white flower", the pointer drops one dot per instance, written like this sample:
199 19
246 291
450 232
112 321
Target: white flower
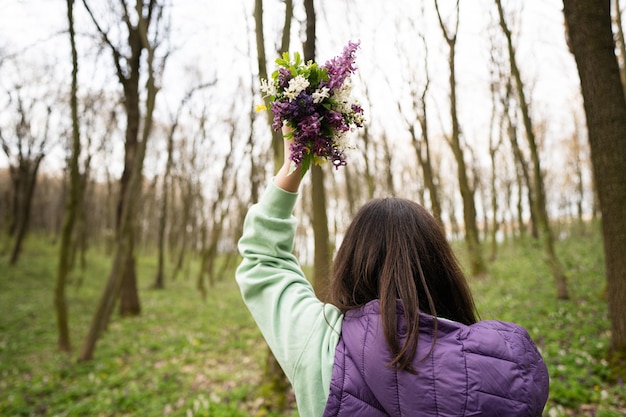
319 95
342 96
296 86
268 88
346 88
342 140
359 119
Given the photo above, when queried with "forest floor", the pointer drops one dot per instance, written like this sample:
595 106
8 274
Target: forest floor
184 356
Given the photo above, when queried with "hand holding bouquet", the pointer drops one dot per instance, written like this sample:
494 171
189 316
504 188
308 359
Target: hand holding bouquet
316 103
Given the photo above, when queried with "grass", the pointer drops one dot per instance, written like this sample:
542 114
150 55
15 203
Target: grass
182 355
188 357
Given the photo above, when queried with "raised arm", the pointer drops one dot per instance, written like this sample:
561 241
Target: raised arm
301 331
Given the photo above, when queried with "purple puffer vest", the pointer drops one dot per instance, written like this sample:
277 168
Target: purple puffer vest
487 369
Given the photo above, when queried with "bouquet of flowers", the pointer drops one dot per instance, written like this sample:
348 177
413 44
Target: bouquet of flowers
315 101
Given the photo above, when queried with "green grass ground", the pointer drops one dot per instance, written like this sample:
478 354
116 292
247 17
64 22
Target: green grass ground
188 357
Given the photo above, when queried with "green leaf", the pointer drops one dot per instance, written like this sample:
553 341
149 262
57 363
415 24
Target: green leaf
283 62
306 163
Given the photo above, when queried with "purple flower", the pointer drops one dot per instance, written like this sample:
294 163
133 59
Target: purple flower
340 67
336 121
281 112
310 126
304 104
284 75
293 110
323 146
299 151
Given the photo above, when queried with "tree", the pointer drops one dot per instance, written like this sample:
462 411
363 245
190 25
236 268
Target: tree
494 145
159 281
522 170
277 138
143 26
25 147
227 185
187 191
421 139
277 384
321 254
72 203
588 26
541 211
478 266
500 98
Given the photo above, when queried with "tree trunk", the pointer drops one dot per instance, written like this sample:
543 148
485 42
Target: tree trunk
493 149
478 267
203 263
121 262
496 129
209 246
276 384
122 280
318 194
128 297
591 40
422 146
187 204
541 210
24 191
369 177
523 182
620 44
423 150
277 138
72 203
321 255
388 164
159 279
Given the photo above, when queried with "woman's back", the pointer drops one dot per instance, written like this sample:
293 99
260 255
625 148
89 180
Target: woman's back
489 368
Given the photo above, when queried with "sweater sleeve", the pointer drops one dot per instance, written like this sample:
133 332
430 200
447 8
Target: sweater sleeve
301 331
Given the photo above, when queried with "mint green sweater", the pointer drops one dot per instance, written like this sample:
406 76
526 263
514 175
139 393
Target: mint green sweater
301 331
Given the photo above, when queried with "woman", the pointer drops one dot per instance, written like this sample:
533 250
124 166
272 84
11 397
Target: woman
400 336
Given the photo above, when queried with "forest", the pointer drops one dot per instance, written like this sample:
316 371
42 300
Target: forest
132 149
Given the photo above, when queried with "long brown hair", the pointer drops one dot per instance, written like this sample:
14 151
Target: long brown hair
394 249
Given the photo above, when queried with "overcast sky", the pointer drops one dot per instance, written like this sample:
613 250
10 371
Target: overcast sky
214 36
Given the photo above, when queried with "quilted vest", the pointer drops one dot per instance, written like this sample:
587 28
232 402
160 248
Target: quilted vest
490 368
